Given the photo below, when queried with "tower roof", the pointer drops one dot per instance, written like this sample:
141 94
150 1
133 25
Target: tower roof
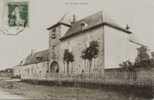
63 21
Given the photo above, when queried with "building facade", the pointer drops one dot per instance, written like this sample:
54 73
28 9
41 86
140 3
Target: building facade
87 46
112 39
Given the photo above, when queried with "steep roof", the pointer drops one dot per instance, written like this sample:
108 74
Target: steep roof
57 24
63 21
91 22
37 57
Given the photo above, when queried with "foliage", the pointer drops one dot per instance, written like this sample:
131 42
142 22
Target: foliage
149 63
91 51
142 60
142 55
68 56
127 65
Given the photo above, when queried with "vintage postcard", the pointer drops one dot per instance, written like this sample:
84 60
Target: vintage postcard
76 50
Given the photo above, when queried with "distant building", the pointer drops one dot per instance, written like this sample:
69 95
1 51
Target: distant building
8 72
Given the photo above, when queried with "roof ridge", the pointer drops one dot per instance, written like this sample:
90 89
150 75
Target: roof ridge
90 15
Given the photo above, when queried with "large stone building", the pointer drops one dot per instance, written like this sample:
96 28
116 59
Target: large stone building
85 46
113 44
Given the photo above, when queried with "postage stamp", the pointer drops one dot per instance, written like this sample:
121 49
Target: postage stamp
18 14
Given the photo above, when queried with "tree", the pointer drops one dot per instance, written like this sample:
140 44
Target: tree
68 57
142 54
90 53
143 58
128 65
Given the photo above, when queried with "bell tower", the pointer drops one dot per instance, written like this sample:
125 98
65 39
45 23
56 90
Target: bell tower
55 33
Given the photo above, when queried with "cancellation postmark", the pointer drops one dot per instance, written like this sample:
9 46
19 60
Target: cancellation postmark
16 15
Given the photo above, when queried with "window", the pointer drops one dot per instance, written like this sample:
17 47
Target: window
54 30
39 58
53 36
83 25
54 67
53 33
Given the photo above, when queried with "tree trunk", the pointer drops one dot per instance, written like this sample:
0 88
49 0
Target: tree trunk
64 66
68 68
71 67
90 63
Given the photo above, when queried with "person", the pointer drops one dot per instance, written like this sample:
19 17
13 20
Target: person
19 20
15 17
12 19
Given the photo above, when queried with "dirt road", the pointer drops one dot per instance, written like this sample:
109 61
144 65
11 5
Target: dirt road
14 89
6 95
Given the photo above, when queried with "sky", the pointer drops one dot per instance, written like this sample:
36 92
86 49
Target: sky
138 14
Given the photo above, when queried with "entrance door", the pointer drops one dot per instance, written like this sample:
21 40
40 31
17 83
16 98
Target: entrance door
54 67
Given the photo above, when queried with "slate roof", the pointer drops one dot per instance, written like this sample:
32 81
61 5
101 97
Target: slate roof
63 21
93 21
59 23
37 57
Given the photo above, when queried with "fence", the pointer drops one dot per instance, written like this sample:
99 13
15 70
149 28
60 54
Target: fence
98 79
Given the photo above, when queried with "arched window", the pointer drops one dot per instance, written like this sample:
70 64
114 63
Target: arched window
54 67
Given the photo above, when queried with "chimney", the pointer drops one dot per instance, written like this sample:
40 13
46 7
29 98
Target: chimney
127 27
73 19
32 52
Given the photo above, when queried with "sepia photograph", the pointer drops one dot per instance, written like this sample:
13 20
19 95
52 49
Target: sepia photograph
76 50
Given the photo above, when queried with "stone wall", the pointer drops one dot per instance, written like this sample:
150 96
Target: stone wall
119 76
145 74
17 71
138 75
76 45
41 71
34 71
